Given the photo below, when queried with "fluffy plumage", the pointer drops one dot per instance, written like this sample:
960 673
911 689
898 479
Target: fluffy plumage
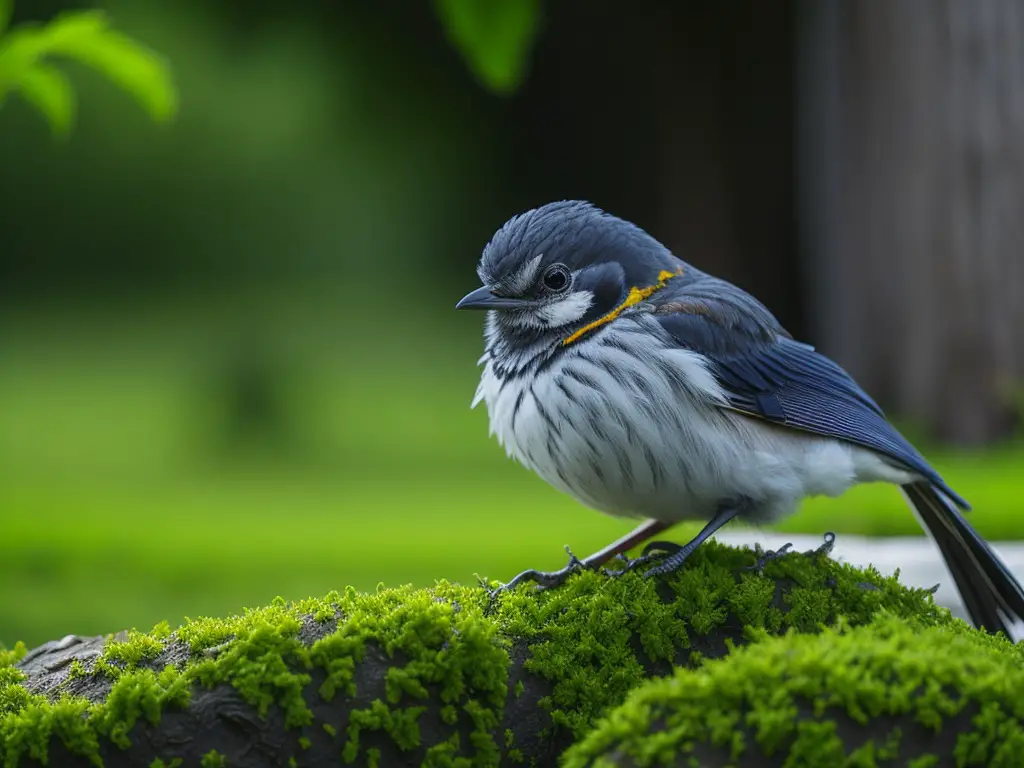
690 400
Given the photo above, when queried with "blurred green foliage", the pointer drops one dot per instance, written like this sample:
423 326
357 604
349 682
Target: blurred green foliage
26 67
495 37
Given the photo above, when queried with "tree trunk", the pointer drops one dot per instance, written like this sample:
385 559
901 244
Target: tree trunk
911 168
724 168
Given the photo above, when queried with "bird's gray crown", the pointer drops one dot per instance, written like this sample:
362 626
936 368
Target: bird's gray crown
574 233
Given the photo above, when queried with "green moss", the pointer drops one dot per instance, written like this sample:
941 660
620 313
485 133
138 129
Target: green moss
27 731
161 631
140 694
8 658
213 759
444 755
596 638
159 763
752 603
402 725
259 653
452 654
76 669
120 656
448 648
138 648
784 698
261 664
330 730
13 698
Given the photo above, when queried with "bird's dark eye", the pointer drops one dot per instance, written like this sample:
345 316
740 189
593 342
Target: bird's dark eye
556 279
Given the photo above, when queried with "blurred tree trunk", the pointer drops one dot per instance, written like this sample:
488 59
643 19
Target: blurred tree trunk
911 177
679 117
724 164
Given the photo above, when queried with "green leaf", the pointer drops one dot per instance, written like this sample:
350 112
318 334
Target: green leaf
495 37
21 48
47 89
87 38
19 51
70 26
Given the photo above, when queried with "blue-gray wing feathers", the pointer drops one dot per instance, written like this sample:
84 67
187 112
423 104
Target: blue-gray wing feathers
768 375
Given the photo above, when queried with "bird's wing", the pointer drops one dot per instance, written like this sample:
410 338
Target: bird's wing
766 374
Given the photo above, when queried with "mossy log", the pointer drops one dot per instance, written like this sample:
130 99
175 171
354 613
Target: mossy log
415 677
890 693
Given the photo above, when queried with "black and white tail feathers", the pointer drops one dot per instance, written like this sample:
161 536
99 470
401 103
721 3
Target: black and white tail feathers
993 598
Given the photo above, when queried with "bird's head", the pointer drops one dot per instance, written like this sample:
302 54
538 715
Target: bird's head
554 273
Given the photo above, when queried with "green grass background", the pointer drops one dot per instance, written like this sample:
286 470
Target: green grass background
121 506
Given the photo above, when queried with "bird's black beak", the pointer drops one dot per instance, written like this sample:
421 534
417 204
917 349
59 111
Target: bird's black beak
482 298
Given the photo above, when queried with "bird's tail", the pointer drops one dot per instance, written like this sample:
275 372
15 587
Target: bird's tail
990 593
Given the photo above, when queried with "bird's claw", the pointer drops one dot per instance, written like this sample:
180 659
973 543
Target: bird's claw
829 543
671 561
543 579
763 558
655 550
628 565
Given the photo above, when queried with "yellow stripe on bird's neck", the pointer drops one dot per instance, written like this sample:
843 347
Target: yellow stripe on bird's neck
636 295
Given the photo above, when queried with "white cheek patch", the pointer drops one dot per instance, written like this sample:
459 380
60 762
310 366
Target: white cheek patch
567 310
552 314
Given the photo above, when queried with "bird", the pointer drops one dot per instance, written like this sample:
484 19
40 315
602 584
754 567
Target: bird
646 388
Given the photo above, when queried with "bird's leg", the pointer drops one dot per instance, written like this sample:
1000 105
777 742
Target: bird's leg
620 547
677 558
763 558
549 579
655 550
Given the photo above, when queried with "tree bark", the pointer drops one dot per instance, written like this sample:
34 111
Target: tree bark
911 131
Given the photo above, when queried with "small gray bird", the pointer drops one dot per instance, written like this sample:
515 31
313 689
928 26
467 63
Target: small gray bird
645 388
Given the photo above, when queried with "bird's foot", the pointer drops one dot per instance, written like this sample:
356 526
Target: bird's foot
672 557
544 579
826 547
763 558
655 550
